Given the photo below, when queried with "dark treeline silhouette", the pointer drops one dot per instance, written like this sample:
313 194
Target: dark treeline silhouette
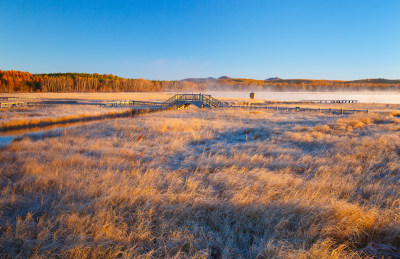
17 81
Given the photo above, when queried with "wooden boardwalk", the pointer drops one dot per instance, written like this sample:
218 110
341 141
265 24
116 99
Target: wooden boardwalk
179 101
176 101
329 101
299 109
206 101
8 102
11 104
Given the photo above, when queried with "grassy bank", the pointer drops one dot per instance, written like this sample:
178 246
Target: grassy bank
206 183
112 96
161 96
37 116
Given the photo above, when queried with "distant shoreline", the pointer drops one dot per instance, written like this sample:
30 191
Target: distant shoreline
18 81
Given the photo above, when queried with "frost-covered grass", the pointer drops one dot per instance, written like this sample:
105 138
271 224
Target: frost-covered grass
38 115
112 96
206 183
23 116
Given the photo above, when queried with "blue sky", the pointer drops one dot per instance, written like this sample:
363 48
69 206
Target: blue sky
172 40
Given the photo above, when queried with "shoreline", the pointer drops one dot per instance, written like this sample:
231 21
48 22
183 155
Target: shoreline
48 121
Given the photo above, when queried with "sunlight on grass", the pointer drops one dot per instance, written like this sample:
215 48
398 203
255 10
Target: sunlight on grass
206 183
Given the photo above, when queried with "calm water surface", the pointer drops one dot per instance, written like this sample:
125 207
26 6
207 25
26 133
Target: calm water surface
7 138
363 97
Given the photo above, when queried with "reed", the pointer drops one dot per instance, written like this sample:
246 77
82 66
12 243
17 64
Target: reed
206 183
16 118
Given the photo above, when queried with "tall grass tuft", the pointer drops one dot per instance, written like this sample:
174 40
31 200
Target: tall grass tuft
206 184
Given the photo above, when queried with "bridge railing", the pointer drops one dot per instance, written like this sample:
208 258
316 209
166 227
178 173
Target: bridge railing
12 104
133 103
205 99
211 101
170 100
178 99
330 101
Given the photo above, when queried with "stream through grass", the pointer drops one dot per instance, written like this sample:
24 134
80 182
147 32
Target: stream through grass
7 137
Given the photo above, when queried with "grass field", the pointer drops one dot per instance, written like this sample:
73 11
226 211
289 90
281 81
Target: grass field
22 116
206 183
143 96
41 115
162 96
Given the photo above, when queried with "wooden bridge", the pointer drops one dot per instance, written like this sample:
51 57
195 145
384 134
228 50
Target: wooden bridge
184 100
206 101
176 101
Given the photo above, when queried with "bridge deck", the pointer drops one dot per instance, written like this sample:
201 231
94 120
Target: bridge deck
178 100
202 100
330 101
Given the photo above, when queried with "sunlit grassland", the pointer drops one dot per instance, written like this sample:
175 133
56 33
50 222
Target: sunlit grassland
15 117
206 183
23 116
111 96
31 116
163 96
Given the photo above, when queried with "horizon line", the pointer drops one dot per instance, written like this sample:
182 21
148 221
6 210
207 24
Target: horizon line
210 77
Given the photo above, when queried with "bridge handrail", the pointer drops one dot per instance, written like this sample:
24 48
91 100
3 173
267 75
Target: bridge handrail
212 100
177 99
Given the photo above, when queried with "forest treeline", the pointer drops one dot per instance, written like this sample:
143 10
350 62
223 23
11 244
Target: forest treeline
18 81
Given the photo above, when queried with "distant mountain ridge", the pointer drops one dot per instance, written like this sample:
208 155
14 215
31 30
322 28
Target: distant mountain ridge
198 79
227 78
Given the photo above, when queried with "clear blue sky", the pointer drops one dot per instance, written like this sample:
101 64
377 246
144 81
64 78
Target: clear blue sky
321 39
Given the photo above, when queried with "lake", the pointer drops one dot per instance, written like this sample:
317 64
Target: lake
363 97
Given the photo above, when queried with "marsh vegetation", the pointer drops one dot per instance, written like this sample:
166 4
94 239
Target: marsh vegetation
206 183
21 117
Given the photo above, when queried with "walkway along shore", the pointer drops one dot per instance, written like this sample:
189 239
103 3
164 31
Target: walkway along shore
178 101
75 119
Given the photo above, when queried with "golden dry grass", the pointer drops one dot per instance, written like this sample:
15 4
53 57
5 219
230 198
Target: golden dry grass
206 183
144 96
15 117
372 107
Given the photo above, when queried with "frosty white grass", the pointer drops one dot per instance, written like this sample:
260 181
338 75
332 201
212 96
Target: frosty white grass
206 183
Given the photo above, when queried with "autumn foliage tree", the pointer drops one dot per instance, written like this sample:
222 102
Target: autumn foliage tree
17 81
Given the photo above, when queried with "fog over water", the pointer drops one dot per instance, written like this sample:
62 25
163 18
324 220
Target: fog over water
363 97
